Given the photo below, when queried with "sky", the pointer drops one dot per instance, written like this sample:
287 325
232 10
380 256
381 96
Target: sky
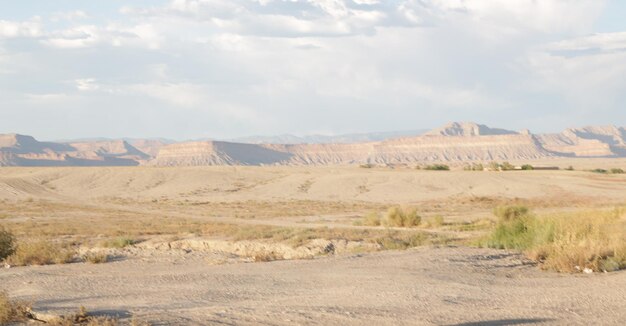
187 69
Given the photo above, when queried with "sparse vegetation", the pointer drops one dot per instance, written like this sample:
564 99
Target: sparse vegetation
395 242
437 167
96 257
508 213
474 167
40 252
563 242
399 217
527 167
12 311
394 217
610 171
372 219
435 221
7 243
266 256
119 243
82 317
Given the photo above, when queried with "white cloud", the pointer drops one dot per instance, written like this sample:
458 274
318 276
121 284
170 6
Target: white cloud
12 29
245 66
86 84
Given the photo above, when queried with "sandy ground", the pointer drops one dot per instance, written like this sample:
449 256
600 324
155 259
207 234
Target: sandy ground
426 286
441 286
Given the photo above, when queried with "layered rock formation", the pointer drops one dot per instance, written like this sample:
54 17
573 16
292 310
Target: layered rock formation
608 141
20 150
455 142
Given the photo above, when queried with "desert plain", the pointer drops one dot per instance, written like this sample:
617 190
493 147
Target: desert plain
278 245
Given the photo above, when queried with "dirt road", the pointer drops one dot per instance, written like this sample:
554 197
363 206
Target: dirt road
427 286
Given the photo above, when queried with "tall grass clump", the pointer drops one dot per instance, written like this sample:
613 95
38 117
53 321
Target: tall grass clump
7 244
40 253
394 217
119 243
372 219
11 311
566 242
399 217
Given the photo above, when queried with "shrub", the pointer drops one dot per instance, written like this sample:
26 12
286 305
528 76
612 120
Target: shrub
506 166
474 167
395 242
507 213
527 167
599 171
568 242
569 168
617 171
435 221
366 166
399 217
12 311
372 219
96 258
119 243
437 167
7 244
40 253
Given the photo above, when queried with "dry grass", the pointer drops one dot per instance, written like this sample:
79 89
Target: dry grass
435 222
12 311
82 317
96 257
119 243
266 256
566 242
395 217
41 252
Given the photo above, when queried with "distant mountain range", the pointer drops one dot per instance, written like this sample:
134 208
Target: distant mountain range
455 142
325 139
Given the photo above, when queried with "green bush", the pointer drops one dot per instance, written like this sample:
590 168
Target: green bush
567 242
7 244
600 171
617 171
437 167
527 167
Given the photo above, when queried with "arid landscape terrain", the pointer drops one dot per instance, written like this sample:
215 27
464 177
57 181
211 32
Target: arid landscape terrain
293 245
313 162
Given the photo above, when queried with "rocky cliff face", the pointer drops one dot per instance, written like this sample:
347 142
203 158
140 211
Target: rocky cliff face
20 150
608 141
430 148
455 142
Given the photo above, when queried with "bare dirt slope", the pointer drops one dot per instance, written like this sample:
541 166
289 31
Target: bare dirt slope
427 286
351 184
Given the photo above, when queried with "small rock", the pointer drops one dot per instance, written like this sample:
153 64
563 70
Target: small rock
587 271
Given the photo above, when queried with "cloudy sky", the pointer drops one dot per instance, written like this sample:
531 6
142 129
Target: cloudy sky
187 69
